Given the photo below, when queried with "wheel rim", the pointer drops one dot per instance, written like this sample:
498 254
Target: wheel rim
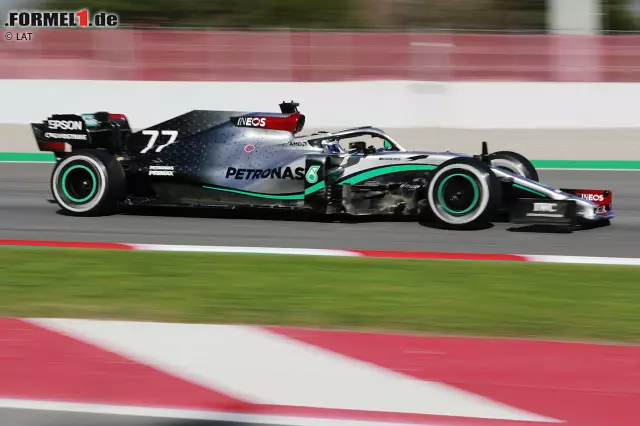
79 184
458 194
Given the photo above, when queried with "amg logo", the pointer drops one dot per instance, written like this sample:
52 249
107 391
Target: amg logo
279 173
251 121
593 197
545 207
410 186
64 125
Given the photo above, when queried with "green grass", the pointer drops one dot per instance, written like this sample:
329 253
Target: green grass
455 297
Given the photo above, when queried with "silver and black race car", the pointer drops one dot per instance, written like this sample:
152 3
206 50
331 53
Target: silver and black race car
233 159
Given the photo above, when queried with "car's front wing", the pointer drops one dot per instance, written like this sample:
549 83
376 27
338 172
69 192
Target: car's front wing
543 204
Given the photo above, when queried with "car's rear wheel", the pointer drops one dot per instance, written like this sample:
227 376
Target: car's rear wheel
88 182
464 193
514 163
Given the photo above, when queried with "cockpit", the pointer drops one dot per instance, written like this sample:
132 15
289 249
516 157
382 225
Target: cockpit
361 140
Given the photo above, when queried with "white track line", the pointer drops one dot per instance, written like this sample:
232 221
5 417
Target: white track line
247 250
587 260
584 260
587 170
392 254
28 162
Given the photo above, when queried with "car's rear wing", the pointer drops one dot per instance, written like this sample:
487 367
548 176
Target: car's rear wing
62 133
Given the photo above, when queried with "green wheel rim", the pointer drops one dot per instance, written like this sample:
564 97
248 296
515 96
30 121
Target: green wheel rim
93 184
476 194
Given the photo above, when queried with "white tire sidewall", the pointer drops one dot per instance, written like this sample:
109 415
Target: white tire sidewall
102 185
465 219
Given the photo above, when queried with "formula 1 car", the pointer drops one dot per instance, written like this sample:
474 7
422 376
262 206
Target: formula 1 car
231 159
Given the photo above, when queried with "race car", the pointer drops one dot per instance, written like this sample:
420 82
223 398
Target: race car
259 159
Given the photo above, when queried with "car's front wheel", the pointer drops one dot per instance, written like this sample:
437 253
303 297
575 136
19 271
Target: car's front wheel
88 182
514 163
464 193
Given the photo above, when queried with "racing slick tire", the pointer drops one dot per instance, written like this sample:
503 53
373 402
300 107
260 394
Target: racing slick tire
463 193
514 163
88 183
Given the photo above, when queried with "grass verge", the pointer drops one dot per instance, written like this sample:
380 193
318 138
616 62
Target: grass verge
477 298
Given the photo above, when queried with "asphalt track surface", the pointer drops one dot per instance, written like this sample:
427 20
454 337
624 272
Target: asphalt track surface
36 417
20 417
27 213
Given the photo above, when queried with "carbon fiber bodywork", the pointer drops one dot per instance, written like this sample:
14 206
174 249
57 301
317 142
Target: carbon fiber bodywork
224 158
